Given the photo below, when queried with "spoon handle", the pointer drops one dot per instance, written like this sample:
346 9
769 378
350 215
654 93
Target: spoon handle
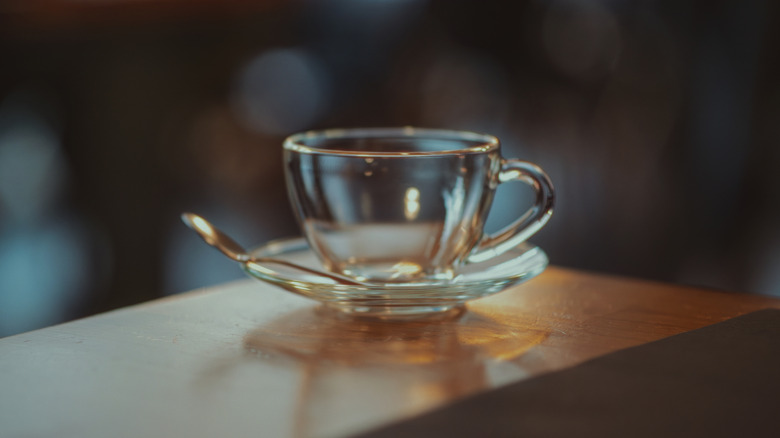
225 244
342 279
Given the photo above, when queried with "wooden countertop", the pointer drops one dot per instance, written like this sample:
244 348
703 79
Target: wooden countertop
248 359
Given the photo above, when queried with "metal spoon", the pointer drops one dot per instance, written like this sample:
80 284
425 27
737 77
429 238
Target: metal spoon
226 245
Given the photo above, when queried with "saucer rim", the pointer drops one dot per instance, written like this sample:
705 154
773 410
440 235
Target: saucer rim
409 300
300 244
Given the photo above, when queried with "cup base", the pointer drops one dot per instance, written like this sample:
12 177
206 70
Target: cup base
342 309
394 272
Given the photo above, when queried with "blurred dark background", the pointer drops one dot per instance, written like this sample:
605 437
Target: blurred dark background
657 121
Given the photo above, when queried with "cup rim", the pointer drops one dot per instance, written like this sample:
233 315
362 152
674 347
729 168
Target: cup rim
487 142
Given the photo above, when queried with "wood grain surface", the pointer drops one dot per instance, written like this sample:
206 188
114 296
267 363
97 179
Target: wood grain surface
247 359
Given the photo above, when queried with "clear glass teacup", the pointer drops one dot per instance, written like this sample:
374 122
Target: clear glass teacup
402 205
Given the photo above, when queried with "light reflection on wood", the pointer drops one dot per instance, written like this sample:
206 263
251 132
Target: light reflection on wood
412 363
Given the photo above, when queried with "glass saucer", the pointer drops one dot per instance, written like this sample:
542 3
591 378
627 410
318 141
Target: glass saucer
471 281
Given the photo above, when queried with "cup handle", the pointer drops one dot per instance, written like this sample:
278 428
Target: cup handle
530 222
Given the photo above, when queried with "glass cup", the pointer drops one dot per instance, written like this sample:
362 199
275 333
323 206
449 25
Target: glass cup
404 205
